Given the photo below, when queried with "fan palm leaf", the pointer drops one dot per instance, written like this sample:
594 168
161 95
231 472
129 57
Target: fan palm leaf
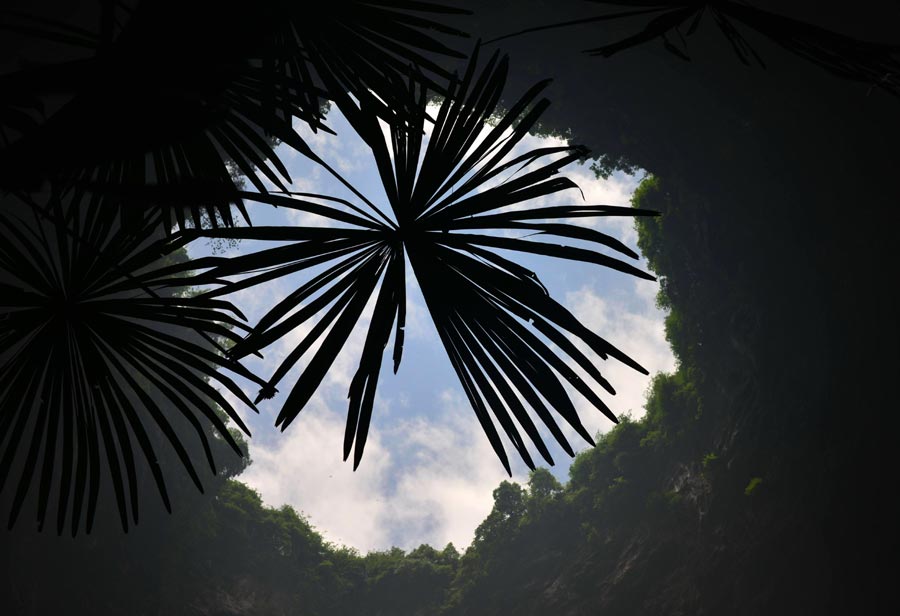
487 309
101 356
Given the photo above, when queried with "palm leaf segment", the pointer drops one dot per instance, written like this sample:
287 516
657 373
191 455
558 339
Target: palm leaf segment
142 114
365 45
673 20
487 309
101 362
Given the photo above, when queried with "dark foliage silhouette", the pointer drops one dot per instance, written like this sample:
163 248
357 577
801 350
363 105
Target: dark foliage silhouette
132 141
672 22
96 343
139 113
102 155
757 482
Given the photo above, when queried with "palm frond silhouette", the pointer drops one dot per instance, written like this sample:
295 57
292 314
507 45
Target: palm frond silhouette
672 21
139 113
96 344
486 308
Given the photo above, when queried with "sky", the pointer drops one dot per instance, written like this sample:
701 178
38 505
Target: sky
428 471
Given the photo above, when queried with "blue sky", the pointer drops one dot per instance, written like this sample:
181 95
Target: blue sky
428 470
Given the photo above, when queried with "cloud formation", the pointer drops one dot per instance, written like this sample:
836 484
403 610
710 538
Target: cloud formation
638 332
427 480
303 468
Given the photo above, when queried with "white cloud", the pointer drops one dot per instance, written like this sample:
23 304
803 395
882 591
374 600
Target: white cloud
617 190
639 333
446 491
304 469
439 493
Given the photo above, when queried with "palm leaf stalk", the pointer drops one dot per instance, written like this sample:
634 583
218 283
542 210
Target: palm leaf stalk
449 212
103 357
